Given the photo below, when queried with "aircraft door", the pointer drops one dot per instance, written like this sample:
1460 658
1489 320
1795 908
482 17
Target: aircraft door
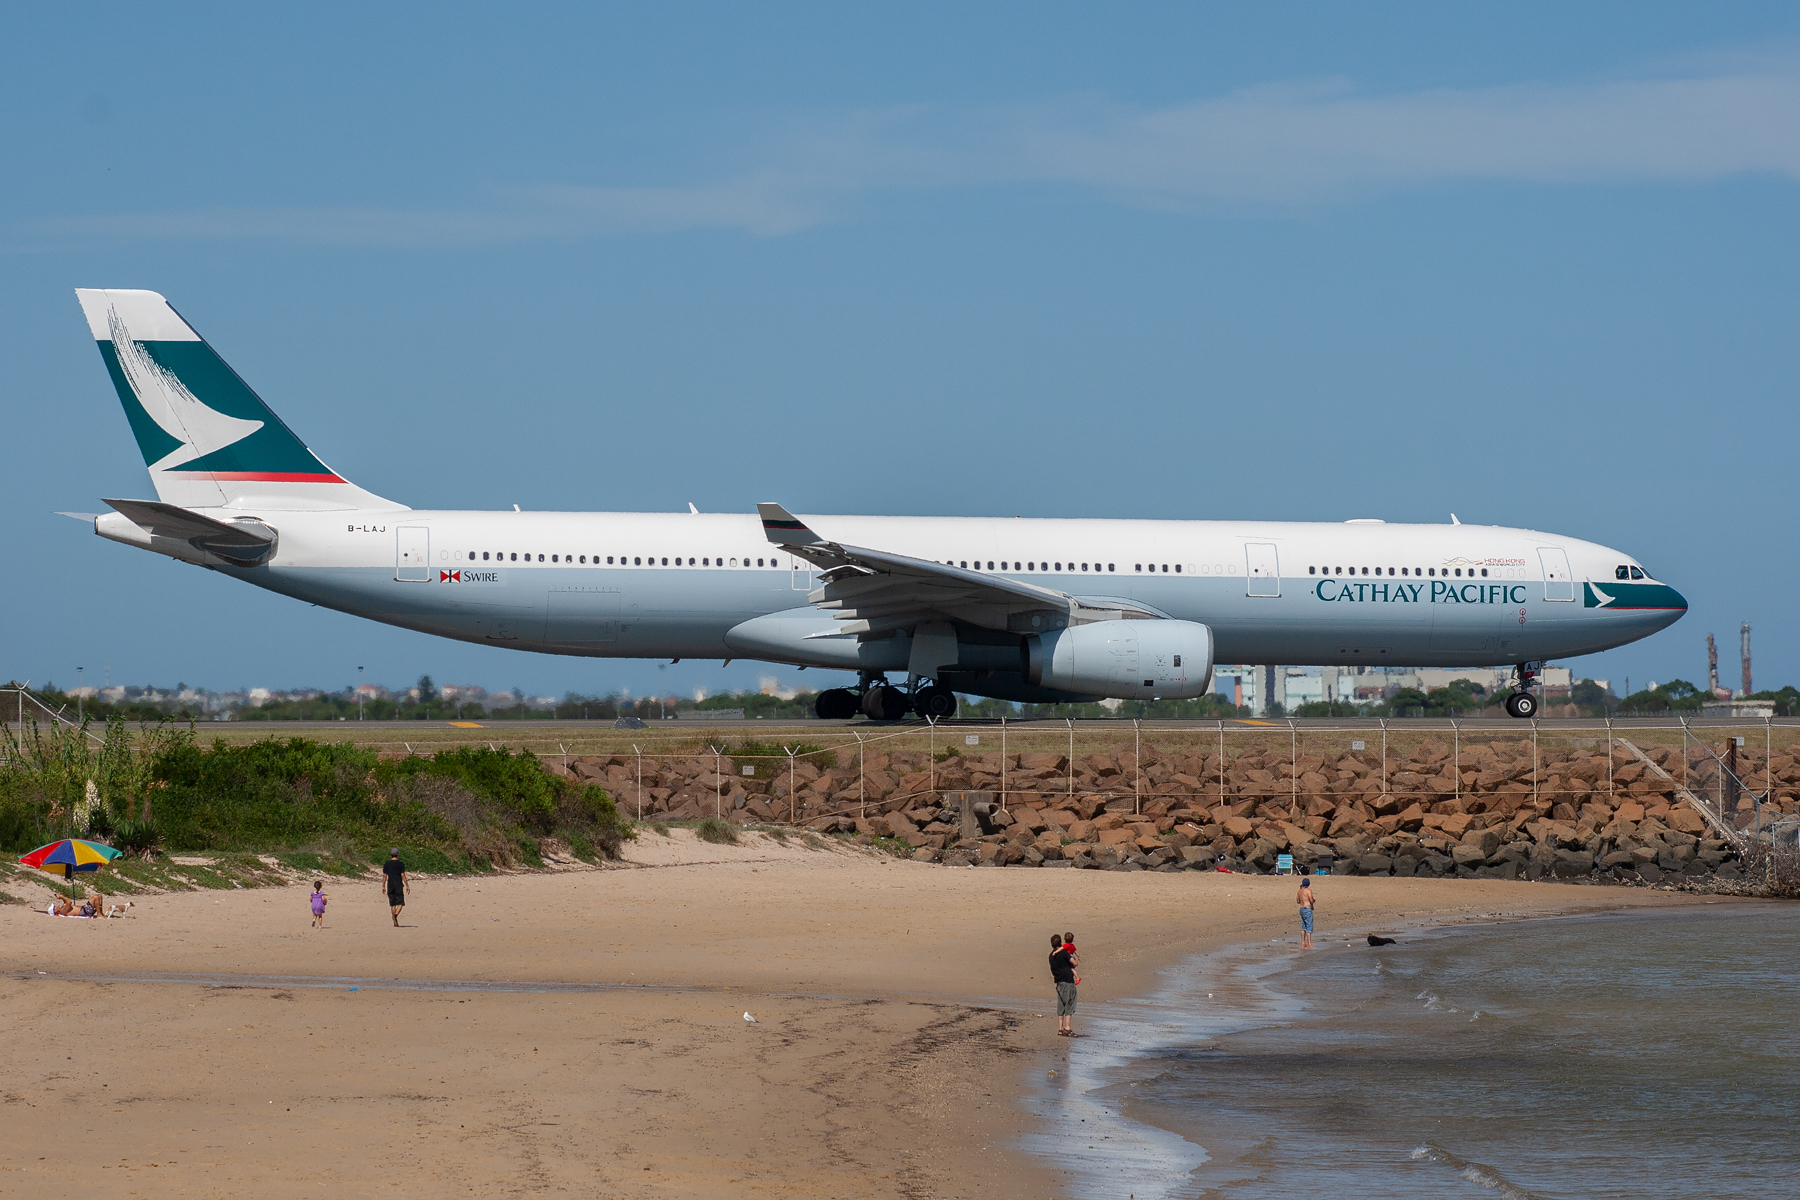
800 574
1559 581
412 561
1262 569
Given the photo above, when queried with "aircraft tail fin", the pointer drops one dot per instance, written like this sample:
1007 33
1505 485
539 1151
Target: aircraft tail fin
207 438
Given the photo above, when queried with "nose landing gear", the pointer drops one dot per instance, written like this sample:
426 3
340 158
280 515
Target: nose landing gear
1522 704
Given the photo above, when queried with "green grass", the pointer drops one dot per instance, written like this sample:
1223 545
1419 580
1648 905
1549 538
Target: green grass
722 833
460 809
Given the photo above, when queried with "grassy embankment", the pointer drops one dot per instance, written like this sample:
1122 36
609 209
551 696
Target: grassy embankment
239 815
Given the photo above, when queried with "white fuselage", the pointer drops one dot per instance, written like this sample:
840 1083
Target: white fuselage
649 585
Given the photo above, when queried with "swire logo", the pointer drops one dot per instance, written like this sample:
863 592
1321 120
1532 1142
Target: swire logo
449 576
468 576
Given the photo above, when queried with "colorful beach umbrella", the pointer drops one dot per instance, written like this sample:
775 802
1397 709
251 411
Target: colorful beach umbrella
72 855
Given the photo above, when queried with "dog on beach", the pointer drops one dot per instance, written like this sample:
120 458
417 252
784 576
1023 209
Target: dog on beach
119 910
1380 941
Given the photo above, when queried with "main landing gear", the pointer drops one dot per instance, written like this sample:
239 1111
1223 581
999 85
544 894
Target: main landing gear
1522 704
880 701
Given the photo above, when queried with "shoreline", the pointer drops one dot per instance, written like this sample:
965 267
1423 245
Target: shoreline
1092 1104
896 1049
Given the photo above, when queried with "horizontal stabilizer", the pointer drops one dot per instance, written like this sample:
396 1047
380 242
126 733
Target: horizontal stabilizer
245 541
80 516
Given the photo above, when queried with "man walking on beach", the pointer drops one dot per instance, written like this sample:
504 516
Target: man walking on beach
1305 900
1063 972
397 883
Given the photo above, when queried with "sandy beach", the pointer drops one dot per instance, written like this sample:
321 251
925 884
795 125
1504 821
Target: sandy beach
898 1005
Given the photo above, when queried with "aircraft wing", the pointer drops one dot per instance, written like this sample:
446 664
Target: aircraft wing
874 592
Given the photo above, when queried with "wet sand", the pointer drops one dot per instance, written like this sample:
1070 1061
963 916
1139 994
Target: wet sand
898 1010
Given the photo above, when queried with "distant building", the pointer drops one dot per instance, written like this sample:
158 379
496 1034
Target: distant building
1756 710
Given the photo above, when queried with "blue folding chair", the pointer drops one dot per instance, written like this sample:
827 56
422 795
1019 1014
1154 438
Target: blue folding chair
1284 864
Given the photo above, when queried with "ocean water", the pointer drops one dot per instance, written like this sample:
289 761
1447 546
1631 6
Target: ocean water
1636 1055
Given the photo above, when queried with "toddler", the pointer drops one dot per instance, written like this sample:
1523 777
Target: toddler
319 901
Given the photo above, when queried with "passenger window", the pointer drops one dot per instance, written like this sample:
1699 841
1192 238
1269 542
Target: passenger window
1484 572
990 566
1636 573
1312 570
1178 568
1084 566
1059 566
1138 566
484 556
1110 567
1434 572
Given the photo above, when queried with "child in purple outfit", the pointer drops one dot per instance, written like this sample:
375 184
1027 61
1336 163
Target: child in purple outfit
319 901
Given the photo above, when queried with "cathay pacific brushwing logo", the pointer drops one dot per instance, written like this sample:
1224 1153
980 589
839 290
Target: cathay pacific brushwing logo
1603 597
175 409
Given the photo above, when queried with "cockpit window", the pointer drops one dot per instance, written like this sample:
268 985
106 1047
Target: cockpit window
1637 572
1622 572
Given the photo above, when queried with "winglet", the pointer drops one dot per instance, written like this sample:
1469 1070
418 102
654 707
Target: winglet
785 529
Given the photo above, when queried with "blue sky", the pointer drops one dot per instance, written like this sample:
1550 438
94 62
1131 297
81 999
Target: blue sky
1300 261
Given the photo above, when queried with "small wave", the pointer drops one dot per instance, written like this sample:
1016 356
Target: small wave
1479 1174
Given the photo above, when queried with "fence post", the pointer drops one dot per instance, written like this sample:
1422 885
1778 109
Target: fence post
791 800
1534 761
1456 756
1612 790
862 802
1003 762
1071 759
718 784
1293 768
1684 752
1221 761
1384 756
931 753
1137 767
635 749
565 754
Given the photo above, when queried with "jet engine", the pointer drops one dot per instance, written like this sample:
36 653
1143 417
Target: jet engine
1130 660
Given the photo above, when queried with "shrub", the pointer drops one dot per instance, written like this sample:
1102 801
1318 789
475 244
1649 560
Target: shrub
719 832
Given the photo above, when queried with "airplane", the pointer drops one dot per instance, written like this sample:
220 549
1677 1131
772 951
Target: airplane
1033 610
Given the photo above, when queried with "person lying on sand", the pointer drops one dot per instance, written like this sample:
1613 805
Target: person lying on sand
63 906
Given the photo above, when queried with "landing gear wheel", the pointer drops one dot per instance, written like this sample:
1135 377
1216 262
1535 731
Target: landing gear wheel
836 704
936 703
885 703
1522 705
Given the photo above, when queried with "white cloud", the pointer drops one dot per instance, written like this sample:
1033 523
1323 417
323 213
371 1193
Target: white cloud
1281 145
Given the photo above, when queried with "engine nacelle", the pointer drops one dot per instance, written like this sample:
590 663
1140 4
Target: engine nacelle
1130 660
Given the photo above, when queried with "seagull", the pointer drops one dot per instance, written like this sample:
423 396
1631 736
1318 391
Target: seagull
750 1018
